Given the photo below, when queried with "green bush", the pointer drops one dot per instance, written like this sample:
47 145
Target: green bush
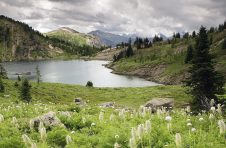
89 84
11 143
57 137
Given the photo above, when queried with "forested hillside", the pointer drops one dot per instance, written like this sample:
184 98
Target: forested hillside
165 61
18 41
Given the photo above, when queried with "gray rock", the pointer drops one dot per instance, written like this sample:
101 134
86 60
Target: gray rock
107 104
160 102
49 119
79 101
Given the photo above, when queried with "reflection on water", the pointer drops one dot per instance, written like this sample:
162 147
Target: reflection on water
75 72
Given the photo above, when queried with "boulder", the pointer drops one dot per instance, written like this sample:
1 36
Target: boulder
79 101
107 104
160 102
49 119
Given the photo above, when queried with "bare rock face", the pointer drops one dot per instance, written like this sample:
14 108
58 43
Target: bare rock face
49 119
107 104
160 102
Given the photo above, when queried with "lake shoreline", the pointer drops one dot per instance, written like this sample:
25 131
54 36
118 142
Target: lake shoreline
76 71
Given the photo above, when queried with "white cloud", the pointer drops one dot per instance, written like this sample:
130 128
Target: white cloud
144 17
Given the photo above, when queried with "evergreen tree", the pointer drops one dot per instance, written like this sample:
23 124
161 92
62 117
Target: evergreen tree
193 34
204 81
18 78
150 44
146 43
189 55
3 72
211 30
178 35
25 90
224 44
186 35
129 51
2 87
38 74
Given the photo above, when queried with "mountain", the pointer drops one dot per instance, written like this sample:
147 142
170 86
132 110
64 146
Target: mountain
18 41
163 36
75 37
109 39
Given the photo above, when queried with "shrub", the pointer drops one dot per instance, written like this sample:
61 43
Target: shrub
12 142
89 84
57 137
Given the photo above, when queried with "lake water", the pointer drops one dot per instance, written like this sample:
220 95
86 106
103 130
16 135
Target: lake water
75 72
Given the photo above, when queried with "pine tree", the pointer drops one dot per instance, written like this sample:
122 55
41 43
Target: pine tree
129 51
2 87
189 55
204 81
193 34
38 74
3 72
224 44
25 90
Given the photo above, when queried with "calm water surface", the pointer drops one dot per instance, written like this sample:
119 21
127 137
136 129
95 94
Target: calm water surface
75 72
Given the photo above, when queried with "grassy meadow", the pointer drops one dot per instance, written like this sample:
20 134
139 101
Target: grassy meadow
129 124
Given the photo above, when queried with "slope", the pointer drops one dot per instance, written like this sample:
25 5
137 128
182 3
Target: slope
164 62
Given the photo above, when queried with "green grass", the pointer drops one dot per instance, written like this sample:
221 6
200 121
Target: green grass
91 126
131 97
74 38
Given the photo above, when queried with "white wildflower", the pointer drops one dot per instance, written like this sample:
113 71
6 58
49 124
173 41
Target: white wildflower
201 119
188 109
178 140
132 143
116 145
189 124
147 126
43 135
193 129
68 139
26 140
212 102
168 118
33 145
122 113
14 121
219 109
222 126
188 120
101 116
212 109
133 133
140 130
112 116
83 120
211 116
93 124
1 118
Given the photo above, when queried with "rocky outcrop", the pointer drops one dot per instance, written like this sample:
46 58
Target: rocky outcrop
160 102
107 104
49 119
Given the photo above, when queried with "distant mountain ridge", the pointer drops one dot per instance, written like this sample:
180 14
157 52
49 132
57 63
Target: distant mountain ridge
75 37
109 39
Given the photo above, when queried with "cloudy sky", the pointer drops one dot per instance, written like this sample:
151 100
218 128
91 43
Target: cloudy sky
144 17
